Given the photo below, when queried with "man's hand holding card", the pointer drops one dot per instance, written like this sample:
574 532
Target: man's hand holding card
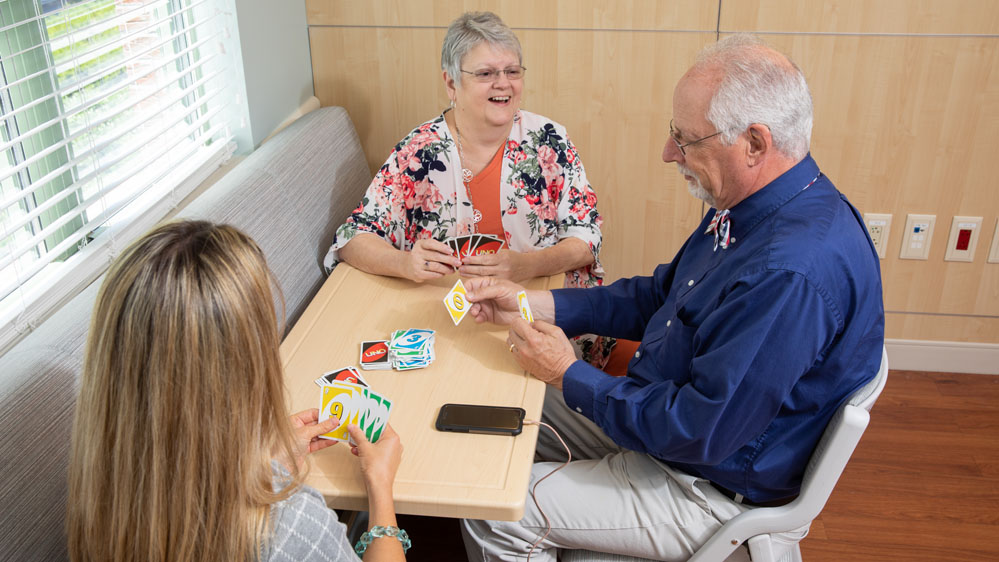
495 300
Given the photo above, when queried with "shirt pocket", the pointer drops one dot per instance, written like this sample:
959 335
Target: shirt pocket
673 350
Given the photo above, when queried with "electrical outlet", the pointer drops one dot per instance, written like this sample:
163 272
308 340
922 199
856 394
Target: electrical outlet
963 239
878 226
917 237
994 251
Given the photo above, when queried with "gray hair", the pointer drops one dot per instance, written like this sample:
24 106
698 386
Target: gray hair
470 29
759 85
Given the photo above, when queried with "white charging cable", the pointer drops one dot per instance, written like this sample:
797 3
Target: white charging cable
548 523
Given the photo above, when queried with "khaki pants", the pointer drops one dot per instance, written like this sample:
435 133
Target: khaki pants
608 499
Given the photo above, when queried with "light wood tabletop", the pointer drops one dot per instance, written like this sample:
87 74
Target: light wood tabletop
442 474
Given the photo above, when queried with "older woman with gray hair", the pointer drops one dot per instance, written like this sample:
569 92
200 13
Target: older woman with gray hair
483 166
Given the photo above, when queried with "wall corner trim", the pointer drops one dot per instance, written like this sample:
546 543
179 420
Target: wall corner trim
943 356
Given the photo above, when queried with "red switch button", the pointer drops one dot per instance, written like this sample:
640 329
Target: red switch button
963 239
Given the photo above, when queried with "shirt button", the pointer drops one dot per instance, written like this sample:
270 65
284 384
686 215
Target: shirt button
578 409
638 354
668 322
690 283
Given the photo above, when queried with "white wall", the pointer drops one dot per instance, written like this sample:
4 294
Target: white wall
276 65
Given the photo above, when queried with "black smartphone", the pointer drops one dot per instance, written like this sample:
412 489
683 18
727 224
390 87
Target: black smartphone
472 418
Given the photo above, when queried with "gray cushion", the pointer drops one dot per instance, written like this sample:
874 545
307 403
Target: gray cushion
290 195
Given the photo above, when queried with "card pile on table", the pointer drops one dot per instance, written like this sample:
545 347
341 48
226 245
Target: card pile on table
375 355
411 349
347 396
475 244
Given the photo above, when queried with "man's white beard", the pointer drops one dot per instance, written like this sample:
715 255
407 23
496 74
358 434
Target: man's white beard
694 187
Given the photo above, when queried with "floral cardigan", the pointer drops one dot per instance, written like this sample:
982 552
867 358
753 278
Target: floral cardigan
544 198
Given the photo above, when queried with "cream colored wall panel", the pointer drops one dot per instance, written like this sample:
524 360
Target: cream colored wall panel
699 15
862 16
941 328
910 125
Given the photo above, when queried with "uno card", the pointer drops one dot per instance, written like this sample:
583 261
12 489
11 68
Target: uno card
465 245
344 401
488 245
525 307
453 244
346 374
456 302
374 415
412 339
375 355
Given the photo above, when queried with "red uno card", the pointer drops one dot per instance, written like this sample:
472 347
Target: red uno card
374 355
488 245
346 374
466 244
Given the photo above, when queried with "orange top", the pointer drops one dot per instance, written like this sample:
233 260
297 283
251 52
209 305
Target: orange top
485 196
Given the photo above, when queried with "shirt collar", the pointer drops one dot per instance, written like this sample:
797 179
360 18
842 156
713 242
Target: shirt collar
752 210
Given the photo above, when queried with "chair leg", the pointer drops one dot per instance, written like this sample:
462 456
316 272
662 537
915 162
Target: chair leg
760 549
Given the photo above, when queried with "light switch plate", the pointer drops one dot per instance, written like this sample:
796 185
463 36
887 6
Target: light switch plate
994 251
879 227
917 237
972 227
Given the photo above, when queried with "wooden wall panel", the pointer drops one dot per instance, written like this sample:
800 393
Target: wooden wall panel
687 15
906 97
931 327
962 17
915 129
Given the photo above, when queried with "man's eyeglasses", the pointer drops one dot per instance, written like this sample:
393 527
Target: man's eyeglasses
673 134
488 74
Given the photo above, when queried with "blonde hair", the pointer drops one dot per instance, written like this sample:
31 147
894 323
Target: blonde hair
182 403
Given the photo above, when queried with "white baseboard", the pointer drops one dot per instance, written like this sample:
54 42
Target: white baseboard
943 356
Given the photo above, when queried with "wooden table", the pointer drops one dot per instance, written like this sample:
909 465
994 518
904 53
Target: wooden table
442 474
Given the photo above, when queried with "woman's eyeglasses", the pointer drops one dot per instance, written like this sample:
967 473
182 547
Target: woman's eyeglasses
489 75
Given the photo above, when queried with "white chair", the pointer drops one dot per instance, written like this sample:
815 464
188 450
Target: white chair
756 527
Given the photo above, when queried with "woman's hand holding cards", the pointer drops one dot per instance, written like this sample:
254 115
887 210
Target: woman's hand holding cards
308 428
504 264
379 460
429 259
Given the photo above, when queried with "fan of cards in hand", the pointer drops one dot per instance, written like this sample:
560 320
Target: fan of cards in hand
474 244
347 396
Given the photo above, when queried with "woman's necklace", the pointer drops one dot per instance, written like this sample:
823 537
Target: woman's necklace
466 178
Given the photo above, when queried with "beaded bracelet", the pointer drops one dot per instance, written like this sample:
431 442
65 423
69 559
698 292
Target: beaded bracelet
379 531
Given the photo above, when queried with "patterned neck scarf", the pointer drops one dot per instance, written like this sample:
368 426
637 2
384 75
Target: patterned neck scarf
721 227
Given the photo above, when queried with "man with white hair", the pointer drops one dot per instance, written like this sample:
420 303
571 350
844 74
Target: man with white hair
761 326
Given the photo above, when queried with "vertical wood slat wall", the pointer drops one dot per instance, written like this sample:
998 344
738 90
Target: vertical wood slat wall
906 114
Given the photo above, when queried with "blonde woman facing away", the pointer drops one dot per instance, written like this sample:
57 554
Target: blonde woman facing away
182 445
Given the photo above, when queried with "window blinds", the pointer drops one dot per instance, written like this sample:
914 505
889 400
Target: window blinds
112 112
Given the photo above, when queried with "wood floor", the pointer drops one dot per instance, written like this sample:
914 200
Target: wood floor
923 485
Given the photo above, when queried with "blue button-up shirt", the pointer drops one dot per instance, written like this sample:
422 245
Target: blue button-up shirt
746 352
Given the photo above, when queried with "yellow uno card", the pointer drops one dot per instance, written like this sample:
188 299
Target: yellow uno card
342 400
525 307
456 302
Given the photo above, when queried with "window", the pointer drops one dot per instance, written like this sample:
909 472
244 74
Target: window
111 111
